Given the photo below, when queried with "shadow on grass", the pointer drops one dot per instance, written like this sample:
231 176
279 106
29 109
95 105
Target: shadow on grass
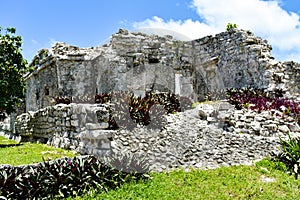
10 145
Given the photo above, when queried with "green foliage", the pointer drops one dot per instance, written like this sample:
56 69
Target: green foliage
12 70
230 26
291 154
61 178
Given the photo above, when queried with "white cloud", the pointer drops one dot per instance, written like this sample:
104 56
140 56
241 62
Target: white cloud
189 28
265 18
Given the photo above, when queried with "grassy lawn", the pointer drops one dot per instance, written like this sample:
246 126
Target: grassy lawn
238 182
27 153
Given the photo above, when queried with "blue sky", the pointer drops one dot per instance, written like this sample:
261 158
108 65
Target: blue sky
87 23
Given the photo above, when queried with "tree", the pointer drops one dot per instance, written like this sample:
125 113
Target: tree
12 70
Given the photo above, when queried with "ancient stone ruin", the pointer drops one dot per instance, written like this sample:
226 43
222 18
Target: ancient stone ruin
208 136
138 62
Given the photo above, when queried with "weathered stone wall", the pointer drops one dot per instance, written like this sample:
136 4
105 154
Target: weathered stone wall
131 62
289 78
73 126
138 62
232 59
265 123
211 135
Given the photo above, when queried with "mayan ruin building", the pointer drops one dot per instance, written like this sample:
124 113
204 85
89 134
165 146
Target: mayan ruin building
137 62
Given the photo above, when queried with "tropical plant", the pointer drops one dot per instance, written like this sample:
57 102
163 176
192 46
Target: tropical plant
61 178
291 154
130 163
130 110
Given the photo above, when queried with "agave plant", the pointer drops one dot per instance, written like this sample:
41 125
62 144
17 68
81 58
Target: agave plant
291 154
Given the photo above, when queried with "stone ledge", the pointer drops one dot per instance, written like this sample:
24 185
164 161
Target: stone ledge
97 134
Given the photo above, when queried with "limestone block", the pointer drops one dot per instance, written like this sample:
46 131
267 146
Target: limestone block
92 126
96 134
283 128
223 116
212 119
104 144
256 126
68 123
74 123
224 106
50 120
76 109
74 116
205 110
88 149
50 130
58 123
271 127
75 143
240 124
58 129
65 143
65 135
294 127
101 152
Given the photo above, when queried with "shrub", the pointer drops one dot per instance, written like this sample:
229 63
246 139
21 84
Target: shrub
230 26
61 178
130 110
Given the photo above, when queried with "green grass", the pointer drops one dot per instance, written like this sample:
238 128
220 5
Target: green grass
238 182
27 153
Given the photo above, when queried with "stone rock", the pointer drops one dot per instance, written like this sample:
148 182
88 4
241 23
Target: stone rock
283 128
74 123
205 110
271 127
255 126
97 126
294 127
224 106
